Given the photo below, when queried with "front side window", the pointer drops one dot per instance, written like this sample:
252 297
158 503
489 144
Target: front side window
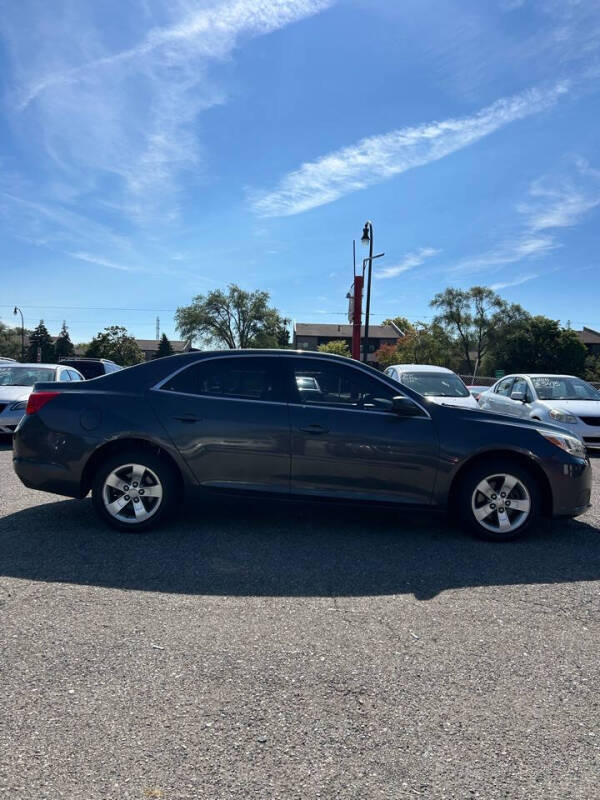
24 376
65 375
504 386
520 386
435 384
321 383
246 378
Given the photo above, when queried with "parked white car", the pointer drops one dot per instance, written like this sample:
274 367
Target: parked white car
16 384
438 384
561 399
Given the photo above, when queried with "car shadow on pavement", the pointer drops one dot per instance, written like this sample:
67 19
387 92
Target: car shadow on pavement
254 548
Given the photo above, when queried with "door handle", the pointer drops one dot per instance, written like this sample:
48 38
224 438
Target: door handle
314 428
187 418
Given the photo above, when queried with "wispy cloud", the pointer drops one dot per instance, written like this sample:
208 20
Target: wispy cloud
410 261
124 124
379 158
514 282
553 202
104 262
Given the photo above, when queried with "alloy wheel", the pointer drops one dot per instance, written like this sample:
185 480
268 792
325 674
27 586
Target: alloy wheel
501 503
132 493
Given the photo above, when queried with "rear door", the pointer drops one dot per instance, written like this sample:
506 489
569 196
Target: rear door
229 419
347 443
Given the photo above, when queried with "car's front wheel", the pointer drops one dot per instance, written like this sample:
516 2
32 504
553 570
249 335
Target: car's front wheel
133 490
499 500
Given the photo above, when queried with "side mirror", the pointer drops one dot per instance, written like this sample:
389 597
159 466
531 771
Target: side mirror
518 396
404 407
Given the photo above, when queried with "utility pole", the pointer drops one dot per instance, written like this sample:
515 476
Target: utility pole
157 329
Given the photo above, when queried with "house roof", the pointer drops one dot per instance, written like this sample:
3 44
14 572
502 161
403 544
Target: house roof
588 336
151 345
333 330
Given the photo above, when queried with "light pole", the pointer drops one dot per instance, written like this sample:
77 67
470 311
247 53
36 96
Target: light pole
367 239
22 333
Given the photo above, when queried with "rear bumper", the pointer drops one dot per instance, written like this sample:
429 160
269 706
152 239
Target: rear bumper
47 477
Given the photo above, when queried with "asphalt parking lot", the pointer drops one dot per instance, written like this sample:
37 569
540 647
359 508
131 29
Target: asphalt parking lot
259 651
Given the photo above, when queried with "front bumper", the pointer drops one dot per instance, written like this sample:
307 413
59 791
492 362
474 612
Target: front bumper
10 419
571 487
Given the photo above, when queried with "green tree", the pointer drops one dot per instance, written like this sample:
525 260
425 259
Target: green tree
422 344
40 341
115 344
234 319
473 317
10 341
400 322
337 347
63 346
165 347
592 368
538 344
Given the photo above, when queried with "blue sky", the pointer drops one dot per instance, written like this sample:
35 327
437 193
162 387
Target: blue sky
154 150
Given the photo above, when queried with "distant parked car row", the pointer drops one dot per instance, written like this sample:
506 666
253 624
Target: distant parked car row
17 381
560 399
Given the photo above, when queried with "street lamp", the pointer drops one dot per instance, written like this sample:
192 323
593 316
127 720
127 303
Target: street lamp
22 332
367 239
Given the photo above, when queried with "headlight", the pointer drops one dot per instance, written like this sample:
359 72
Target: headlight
571 444
562 416
19 406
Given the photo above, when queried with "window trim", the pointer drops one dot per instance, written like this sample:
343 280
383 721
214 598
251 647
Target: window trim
286 358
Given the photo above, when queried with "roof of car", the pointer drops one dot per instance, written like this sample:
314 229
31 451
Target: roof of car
420 368
536 375
36 364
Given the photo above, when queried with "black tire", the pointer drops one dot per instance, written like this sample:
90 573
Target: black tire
156 469
525 491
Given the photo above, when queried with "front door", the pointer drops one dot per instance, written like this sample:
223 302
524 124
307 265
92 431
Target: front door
347 443
228 418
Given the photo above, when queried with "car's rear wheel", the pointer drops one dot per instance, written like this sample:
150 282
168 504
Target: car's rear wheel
499 500
134 490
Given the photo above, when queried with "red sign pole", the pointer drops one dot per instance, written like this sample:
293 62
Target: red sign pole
356 316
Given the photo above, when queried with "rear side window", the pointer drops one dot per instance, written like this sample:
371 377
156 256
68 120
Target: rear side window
90 369
245 378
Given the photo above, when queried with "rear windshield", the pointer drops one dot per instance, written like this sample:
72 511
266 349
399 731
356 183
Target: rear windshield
24 376
89 369
552 387
435 384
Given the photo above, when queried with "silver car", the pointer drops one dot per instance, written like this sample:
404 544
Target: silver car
16 384
561 399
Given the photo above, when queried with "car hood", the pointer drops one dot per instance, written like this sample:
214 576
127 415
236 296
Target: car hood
585 408
462 402
11 394
482 415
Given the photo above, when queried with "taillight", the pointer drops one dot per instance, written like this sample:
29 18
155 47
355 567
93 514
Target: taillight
38 400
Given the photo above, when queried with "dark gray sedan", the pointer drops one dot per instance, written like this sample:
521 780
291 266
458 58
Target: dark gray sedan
290 424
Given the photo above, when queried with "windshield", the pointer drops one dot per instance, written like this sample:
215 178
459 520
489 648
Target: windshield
435 384
24 376
552 387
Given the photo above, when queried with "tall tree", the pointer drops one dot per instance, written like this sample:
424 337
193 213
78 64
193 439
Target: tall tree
473 316
165 348
234 319
63 346
40 342
117 345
